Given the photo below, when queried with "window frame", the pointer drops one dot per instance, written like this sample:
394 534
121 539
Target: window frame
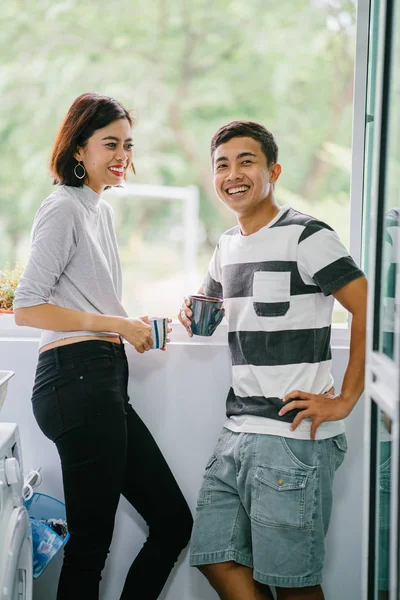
340 331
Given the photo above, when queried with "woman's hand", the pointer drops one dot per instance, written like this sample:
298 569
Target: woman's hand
137 332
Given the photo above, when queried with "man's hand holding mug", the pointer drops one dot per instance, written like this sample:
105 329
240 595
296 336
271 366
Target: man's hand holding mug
201 315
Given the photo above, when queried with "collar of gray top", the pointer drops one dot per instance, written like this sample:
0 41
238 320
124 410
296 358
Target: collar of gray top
88 196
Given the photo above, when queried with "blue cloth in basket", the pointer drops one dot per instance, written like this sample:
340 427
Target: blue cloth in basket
46 542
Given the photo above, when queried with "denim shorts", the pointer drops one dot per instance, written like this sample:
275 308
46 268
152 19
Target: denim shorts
266 503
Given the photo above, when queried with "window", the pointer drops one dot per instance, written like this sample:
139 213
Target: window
185 72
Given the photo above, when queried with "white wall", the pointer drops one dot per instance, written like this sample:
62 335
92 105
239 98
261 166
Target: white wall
180 394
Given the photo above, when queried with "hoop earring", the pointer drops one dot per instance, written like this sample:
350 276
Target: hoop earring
82 167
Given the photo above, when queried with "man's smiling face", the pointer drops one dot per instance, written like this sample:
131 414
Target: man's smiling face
242 178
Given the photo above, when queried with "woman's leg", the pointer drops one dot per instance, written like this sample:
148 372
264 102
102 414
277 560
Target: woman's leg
151 488
93 461
81 408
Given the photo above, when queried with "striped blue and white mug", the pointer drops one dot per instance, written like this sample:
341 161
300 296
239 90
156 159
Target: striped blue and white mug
159 331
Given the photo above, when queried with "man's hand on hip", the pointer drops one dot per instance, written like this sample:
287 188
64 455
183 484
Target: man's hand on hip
317 407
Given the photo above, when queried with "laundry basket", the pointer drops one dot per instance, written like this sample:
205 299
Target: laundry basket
46 541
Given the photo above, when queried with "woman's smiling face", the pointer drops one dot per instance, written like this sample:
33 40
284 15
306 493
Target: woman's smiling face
242 177
107 155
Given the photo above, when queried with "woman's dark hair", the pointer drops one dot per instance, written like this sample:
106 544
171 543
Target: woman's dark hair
247 129
88 113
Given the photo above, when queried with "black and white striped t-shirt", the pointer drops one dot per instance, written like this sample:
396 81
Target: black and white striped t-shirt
276 285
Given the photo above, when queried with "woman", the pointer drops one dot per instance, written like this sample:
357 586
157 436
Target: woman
71 289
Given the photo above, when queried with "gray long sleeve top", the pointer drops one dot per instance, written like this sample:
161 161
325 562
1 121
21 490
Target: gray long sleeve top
73 260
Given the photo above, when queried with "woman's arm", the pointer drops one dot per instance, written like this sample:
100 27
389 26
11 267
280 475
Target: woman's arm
55 318
47 316
55 236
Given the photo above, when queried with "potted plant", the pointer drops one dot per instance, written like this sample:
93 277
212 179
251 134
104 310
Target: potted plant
9 279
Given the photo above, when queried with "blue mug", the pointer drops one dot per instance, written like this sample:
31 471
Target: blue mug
207 314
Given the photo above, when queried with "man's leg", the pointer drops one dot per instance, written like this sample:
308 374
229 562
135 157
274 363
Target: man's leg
232 581
222 529
307 593
290 507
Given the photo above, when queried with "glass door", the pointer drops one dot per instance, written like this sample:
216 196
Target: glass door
369 126
382 241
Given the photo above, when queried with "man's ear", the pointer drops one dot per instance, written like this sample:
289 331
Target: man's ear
276 170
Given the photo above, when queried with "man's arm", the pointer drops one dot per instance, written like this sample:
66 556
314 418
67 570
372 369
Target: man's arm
333 407
353 297
211 285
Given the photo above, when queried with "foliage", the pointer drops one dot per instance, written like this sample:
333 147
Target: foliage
9 279
185 67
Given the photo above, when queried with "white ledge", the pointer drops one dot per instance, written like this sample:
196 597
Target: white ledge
9 331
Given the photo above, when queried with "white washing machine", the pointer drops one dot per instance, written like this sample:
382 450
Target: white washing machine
15 530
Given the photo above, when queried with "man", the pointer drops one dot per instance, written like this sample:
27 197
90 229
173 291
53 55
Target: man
265 503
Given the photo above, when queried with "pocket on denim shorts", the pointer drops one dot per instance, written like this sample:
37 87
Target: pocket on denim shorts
279 497
303 453
205 490
340 449
212 467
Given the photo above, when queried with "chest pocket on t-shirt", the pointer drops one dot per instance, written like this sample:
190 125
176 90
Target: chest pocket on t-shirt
271 293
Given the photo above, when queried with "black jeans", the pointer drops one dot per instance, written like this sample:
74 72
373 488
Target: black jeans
80 402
